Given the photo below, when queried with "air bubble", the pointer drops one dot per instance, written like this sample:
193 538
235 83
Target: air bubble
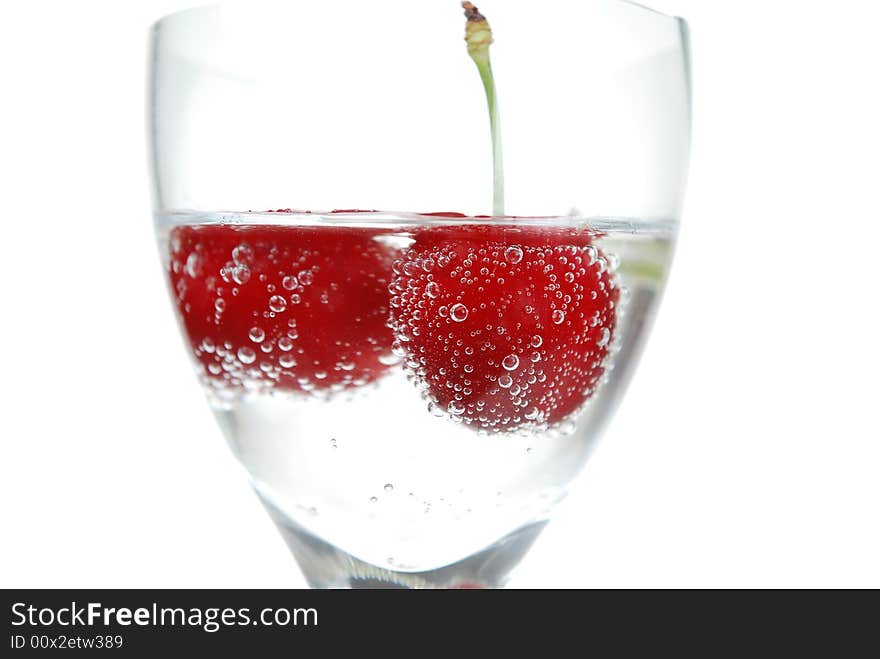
241 274
569 277
605 338
558 317
246 355
192 264
287 361
510 363
505 382
306 277
242 255
537 341
290 282
513 254
388 487
458 313
219 305
432 290
389 359
257 335
455 408
277 303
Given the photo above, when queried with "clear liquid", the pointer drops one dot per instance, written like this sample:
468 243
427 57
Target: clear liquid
375 468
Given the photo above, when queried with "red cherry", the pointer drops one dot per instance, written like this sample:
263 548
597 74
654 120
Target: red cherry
505 327
290 308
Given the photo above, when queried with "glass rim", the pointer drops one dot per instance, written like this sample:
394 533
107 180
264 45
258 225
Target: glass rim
205 8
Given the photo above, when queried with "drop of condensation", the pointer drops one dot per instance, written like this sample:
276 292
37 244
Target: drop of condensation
458 313
289 282
277 303
306 277
513 254
569 277
389 487
532 414
605 338
558 317
536 357
246 355
257 335
287 361
510 363
285 343
432 290
537 341
468 368
505 381
374 499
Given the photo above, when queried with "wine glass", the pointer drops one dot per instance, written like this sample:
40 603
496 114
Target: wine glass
411 338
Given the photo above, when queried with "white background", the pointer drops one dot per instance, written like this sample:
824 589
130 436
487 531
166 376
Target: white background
746 453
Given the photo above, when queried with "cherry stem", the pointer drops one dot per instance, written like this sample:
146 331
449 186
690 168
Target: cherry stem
479 38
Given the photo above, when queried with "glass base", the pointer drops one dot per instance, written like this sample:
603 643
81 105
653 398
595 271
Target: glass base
326 566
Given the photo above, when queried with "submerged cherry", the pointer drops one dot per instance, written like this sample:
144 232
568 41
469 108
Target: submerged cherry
284 307
505 328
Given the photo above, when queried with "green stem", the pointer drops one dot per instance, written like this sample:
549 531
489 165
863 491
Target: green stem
479 38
